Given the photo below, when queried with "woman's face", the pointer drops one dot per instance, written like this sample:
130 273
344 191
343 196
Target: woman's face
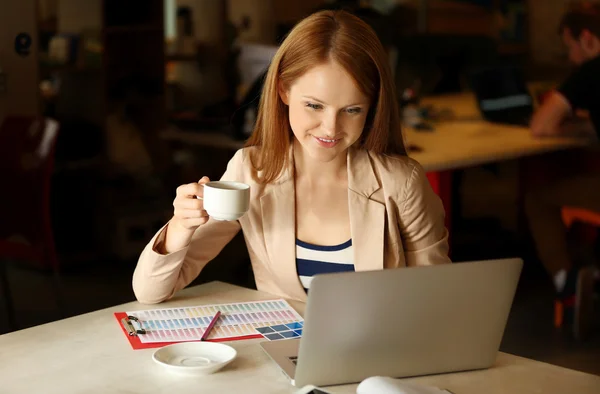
327 111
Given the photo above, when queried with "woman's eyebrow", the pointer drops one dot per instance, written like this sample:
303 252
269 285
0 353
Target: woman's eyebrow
323 102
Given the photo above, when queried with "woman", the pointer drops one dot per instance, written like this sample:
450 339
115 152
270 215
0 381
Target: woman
331 186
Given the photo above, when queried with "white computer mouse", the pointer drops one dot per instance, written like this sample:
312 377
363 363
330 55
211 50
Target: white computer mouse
386 385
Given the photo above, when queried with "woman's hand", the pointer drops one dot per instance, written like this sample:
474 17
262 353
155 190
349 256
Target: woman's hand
188 215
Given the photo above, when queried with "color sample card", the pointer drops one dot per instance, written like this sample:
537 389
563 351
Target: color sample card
237 320
282 331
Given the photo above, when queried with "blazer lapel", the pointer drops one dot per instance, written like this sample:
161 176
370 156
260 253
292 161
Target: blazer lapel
367 222
279 229
367 217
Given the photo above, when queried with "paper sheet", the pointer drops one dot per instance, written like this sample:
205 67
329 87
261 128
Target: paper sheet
189 323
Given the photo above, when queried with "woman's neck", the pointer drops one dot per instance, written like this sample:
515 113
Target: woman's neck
317 172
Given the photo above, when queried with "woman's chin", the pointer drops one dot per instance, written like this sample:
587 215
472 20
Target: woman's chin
326 155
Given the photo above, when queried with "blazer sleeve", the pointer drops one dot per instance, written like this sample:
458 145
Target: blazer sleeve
158 277
422 218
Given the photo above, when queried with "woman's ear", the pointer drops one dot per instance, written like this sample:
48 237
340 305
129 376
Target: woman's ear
283 93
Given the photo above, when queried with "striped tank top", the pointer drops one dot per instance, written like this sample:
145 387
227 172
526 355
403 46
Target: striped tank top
314 259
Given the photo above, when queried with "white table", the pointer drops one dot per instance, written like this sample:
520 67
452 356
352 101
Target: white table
90 354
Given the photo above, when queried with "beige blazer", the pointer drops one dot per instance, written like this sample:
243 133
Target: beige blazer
396 220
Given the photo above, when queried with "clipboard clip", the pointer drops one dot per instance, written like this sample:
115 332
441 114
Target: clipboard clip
130 327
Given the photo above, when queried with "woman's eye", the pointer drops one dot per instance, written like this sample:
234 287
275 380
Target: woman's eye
354 110
314 106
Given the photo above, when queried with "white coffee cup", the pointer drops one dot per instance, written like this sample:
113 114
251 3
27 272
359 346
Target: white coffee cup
226 200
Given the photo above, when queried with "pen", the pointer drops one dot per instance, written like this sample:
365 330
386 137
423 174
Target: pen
210 326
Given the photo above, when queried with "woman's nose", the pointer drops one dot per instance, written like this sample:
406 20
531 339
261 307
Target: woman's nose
330 124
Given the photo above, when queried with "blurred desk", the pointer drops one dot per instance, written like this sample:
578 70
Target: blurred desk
467 140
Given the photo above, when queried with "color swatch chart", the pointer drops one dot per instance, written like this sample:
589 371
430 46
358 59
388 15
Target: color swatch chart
282 331
189 323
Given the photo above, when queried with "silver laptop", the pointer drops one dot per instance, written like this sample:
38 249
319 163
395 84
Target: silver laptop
401 322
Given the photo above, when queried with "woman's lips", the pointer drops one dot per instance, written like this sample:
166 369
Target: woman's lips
327 142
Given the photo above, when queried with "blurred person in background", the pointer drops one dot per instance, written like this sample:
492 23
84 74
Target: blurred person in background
560 115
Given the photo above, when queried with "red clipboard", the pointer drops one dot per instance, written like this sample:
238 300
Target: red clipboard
136 344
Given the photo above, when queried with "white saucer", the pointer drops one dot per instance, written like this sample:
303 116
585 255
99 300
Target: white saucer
195 358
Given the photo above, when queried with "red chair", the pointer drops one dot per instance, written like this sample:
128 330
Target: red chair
26 167
591 162
591 220
572 214
441 183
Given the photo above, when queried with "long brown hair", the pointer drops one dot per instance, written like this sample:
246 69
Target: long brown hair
323 36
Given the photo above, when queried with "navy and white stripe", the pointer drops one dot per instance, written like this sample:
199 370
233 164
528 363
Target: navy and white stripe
314 259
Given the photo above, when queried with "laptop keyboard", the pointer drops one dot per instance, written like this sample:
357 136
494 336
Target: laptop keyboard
294 359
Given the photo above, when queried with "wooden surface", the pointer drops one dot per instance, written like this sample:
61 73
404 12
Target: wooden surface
90 354
469 141
464 141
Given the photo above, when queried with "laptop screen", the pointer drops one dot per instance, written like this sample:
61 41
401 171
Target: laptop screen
500 89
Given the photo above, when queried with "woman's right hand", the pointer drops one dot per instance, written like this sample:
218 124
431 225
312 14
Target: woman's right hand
188 215
189 210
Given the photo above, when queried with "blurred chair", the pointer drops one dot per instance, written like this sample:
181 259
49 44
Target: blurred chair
590 161
583 225
441 183
574 214
26 167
